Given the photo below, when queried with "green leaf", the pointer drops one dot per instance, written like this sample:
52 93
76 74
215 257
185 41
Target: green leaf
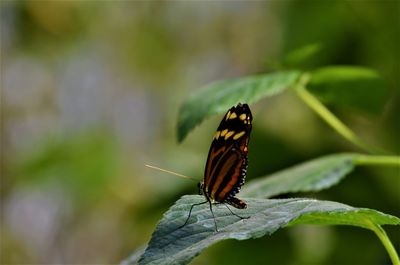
219 96
349 86
173 245
315 175
301 56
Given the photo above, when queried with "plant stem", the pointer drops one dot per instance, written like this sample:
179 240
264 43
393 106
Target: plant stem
377 160
328 116
386 243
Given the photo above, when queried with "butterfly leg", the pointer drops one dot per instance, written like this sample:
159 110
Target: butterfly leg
215 222
241 217
190 212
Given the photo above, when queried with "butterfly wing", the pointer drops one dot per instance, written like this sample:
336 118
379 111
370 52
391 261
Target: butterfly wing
226 165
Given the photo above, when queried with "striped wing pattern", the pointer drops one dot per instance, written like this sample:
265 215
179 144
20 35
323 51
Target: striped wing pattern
226 165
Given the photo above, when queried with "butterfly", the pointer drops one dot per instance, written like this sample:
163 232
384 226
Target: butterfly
226 166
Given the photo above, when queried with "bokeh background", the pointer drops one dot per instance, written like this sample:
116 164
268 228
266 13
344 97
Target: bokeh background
90 92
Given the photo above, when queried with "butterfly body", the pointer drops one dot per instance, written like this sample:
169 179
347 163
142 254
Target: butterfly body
226 165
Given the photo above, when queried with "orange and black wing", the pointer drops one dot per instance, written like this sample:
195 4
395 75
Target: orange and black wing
226 165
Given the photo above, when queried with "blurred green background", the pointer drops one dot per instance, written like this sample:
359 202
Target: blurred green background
90 92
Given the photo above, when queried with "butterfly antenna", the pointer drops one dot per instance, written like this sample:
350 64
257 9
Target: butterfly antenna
171 172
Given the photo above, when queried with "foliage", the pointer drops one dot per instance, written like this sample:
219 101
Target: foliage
348 86
221 95
344 85
171 244
314 175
